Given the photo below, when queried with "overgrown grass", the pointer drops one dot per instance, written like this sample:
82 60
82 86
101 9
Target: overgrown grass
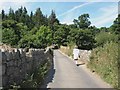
104 61
68 50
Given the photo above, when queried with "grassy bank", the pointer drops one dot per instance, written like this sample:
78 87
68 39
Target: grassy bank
104 61
68 50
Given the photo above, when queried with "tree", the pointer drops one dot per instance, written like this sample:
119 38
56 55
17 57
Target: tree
85 39
105 37
44 36
28 41
3 15
9 36
11 14
104 29
13 32
94 30
116 25
83 21
37 38
52 20
38 18
61 35
22 29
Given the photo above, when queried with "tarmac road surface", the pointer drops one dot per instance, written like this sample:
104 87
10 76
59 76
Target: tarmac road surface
65 74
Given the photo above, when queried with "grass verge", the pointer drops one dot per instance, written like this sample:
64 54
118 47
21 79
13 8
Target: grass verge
104 61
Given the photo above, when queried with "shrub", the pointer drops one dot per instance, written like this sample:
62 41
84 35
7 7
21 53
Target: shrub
104 61
37 77
104 37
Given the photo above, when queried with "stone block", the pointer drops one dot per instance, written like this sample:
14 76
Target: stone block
31 51
0 82
16 54
23 71
23 54
23 60
28 66
10 70
5 81
4 57
21 50
0 57
16 71
11 80
10 63
17 63
3 69
9 56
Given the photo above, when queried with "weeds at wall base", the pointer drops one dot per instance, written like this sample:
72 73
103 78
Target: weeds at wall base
35 79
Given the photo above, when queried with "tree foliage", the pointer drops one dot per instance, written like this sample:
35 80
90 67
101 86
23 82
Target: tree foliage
105 37
115 28
39 31
83 21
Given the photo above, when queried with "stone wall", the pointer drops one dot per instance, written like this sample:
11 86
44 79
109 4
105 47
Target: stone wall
85 55
17 63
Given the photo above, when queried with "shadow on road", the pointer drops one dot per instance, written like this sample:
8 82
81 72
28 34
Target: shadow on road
81 64
49 77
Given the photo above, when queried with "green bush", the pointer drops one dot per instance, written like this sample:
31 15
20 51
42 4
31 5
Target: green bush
104 37
104 61
70 50
41 39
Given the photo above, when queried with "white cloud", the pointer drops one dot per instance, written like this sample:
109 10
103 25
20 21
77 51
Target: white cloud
68 19
67 22
109 15
74 8
70 14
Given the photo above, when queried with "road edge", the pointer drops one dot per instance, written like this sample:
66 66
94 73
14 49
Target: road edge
88 70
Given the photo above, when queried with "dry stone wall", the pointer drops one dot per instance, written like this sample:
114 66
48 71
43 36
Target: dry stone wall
85 55
17 63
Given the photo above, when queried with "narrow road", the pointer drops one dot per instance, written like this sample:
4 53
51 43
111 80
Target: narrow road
65 74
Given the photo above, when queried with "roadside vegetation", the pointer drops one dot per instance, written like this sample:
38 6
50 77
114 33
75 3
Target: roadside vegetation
36 78
104 59
19 29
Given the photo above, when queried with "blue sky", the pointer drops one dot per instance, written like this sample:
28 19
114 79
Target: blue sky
101 13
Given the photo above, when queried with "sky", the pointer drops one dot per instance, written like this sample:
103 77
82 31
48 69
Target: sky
102 14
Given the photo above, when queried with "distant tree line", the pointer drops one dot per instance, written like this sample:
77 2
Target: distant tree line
19 29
